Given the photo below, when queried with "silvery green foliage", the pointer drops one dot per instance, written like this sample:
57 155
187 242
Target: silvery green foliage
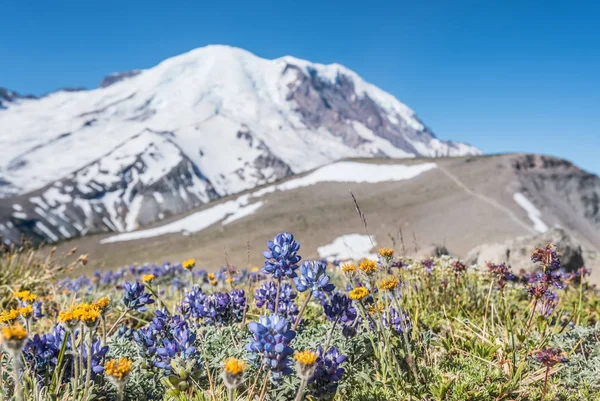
583 369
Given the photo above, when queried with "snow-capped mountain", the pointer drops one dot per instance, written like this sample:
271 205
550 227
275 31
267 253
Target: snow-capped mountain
205 124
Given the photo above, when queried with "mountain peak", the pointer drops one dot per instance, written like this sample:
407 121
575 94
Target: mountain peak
239 120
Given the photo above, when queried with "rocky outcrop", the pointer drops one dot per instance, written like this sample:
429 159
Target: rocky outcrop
517 252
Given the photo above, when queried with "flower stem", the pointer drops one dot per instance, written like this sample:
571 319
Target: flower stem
125 312
264 387
18 385
88 375
545 384
331 334
103 330
302 311
300 394
75 364
230 394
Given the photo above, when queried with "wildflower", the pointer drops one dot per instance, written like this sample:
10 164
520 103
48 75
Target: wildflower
313 277
348 267
98 354
428 265
69 319
267 294
136 298
87 314
102 304
400 322
25 296
550 357
189 264
501 272
328 373
376 308
9 316
340 309
118 370
389 283
358 293
548 256
230 280
271 338
181 346
41 353
386 252
458 267
282 258
148 278
210 276
233 371
368 266
238 304
13 337
549 301
305 360
26 311
255 269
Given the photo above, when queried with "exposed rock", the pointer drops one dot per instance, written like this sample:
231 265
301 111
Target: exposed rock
117 77
517 252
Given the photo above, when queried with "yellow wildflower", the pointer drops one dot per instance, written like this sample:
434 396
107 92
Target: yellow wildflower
214 282
389 283
87 314
234 366
306 357
148 277
255 269
118 370
348 267
13 337
376 308
9 316
210 276
368 266
230 280
386 252
189 264
102 304
26 311
358 293
25 296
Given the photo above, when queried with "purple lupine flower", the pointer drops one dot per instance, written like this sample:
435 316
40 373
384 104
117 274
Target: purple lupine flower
215 307
313 277
98 354
42 351
324 382
400 322
238 304
267 294
181 346
270 345
147 340
282 258
37 310
136 298
340 308
193 303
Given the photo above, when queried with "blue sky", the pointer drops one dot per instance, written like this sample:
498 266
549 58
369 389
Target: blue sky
503 75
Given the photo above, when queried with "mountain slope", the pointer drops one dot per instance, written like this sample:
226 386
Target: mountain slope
239 120
457 202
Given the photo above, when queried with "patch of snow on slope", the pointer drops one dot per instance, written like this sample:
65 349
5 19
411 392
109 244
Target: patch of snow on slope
533 212
243 212
348 247
344 172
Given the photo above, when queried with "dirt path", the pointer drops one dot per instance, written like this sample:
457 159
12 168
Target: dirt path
487 199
